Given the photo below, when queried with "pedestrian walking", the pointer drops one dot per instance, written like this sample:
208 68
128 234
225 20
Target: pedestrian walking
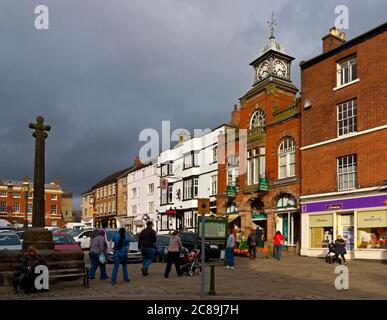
278 243
340 247
97 254
25 277
173 256
252 242
147 245
230 249
260 238
121 244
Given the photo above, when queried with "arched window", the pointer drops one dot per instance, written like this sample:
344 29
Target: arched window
286 202
257 119
287 158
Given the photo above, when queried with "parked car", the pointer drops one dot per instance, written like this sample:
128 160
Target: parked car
162 247
5 225
134 254
82 236
189 241
20 234
9 240
64 241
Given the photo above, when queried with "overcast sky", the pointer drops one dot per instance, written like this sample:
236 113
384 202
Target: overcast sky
107 69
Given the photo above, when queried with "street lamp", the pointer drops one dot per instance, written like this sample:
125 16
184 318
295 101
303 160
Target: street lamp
26 189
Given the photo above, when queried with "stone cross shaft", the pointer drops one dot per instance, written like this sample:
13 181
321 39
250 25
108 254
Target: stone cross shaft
40 134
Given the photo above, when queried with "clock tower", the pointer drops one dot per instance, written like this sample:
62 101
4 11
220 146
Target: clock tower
273 63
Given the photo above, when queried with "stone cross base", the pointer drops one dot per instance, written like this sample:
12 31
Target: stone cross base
55 260
40 238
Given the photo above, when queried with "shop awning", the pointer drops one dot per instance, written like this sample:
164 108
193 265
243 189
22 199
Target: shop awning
232 217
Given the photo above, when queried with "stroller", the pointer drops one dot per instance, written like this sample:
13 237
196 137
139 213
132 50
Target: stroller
332 256
190 262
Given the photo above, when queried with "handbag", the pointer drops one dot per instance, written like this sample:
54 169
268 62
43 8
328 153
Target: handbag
102 258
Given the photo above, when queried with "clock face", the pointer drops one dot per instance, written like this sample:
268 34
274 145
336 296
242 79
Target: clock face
263 70
280 69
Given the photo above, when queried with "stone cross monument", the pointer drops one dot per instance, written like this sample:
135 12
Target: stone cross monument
38 235
40 135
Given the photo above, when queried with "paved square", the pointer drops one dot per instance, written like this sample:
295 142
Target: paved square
293 277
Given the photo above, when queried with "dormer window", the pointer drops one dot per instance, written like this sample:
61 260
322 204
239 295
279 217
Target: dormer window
346 71
258 119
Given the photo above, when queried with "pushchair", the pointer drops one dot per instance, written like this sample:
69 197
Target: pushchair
332 256
190 262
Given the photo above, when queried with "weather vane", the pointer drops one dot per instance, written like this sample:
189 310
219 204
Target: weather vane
271 24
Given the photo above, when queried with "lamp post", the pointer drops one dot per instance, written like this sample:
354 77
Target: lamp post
26 189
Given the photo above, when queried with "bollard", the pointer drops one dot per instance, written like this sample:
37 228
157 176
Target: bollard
212 281
268 252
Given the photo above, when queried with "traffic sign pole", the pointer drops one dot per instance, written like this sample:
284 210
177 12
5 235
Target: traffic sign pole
202 282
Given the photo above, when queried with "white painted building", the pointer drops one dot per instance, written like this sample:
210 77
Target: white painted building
188 172
142 197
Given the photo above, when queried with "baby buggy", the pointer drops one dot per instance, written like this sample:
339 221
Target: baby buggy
332 256
190 262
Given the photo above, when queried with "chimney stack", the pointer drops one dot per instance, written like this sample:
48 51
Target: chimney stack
332 40
137 162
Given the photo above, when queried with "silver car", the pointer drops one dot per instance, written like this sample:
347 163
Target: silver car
9 240
134 255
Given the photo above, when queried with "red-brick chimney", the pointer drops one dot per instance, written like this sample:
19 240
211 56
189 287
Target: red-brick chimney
235 115
137 162
333 39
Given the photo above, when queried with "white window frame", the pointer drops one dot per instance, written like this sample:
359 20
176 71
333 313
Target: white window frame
346 66
151 207
347 172
2 206
188 160
170 193
164 196
346 117
16 195
287 151
195 190
3 194
16 207
151 188
54 197
257 119
214 184
29 207
55 210
215 154
187 187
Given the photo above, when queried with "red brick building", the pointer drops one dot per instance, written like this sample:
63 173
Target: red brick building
266 169
344 145
13 203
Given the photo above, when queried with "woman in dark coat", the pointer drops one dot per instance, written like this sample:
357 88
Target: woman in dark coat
25 277
340 247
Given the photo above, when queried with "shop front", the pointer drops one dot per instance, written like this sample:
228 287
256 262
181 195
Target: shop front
288 220
105 222
361 221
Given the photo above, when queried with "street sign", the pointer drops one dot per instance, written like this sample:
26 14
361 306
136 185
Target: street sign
263 184
231 191
203 206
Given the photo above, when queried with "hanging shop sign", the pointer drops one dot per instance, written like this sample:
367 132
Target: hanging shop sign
231 191
263 184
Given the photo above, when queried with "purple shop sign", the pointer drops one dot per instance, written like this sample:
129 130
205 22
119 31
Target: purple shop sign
345 204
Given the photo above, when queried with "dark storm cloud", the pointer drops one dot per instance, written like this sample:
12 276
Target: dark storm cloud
107 69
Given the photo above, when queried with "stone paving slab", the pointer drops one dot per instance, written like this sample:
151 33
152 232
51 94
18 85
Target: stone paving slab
293 278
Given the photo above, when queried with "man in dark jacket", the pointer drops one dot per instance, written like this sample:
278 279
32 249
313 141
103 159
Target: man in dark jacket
252 242
147 244
340 247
